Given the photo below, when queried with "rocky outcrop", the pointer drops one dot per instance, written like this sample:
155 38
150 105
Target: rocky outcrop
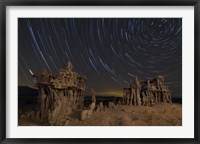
58 95
147 92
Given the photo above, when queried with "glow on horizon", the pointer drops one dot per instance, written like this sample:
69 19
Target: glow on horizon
110 93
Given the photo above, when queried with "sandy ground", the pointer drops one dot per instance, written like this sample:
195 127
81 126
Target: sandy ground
162 114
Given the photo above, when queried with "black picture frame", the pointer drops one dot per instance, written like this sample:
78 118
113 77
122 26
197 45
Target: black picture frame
5 3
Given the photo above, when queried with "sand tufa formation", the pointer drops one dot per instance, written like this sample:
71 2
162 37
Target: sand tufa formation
58 94
147 92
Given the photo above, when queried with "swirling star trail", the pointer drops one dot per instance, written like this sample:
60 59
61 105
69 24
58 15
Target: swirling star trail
109 52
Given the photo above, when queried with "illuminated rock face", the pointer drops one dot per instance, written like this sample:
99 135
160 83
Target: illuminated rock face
59 94
146 92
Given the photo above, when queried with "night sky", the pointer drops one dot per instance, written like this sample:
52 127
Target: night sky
108 51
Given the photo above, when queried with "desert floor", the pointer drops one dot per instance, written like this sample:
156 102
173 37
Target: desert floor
163 114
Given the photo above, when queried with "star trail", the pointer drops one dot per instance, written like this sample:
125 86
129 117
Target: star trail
108 51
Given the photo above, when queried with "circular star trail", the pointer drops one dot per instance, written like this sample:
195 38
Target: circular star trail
109 52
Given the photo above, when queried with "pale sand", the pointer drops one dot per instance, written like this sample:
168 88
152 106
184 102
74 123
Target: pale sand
162 114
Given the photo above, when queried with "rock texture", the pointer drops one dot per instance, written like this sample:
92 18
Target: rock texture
147 92
59 95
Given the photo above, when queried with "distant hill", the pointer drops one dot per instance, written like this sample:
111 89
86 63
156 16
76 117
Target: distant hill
26 91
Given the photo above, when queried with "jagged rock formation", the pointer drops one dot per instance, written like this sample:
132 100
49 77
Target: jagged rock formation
146 92
59 94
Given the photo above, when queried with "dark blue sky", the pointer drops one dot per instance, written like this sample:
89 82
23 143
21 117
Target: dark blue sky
107 51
